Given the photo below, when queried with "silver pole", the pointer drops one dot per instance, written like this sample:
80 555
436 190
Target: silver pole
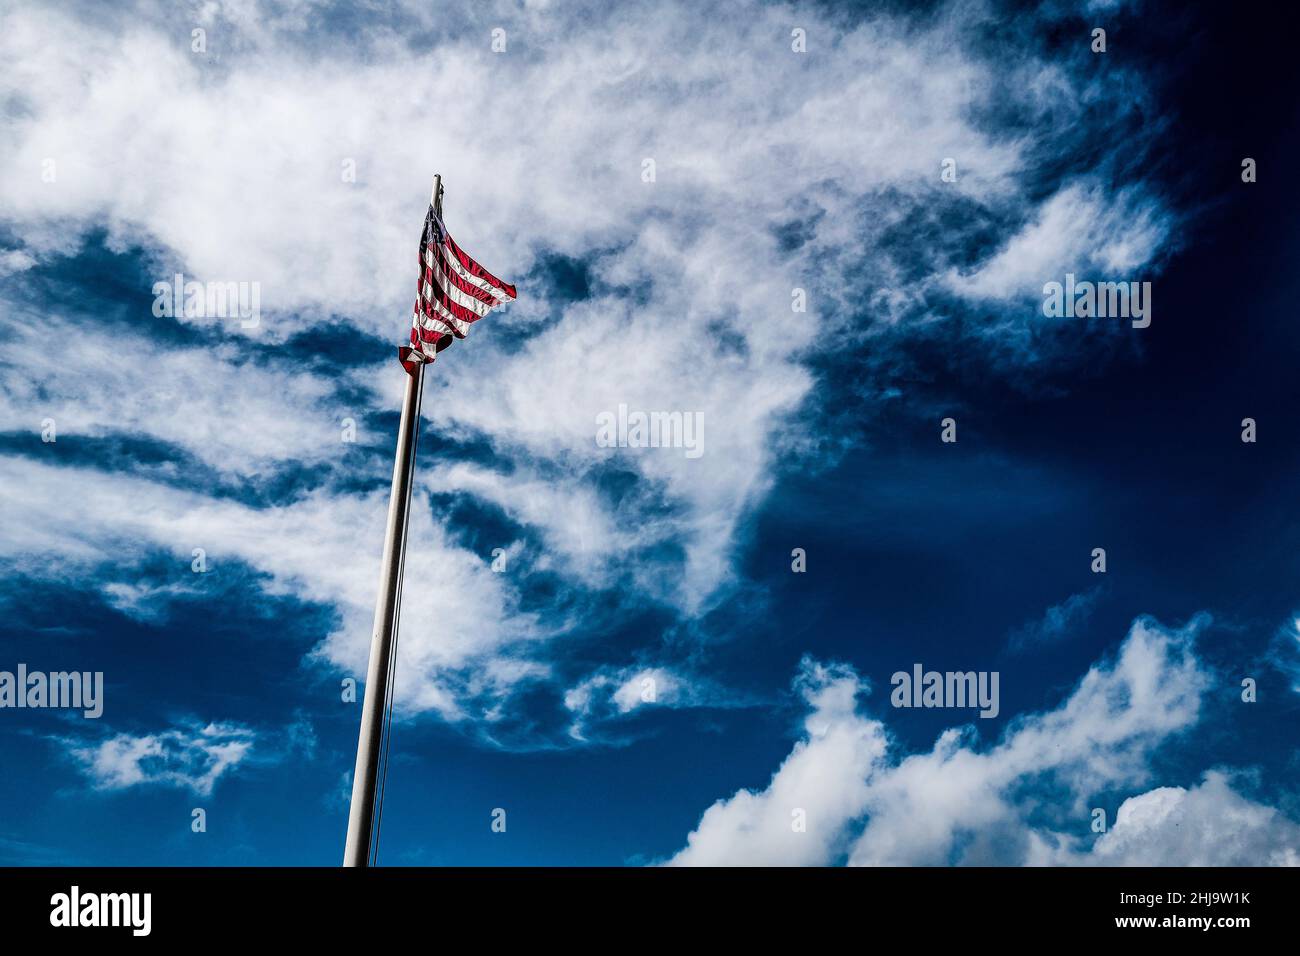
361 817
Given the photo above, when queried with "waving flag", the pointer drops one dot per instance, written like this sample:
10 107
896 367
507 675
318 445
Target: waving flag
454 292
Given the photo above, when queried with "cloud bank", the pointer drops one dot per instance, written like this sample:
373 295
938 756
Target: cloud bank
1025 800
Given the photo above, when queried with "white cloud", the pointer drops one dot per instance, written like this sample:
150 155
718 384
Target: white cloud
644 687
459 626
144 601
192 756
627 689
960 804
1208 825
819 787
239 417
581 533
227 165
1102 735
1085 229
611 693
15 260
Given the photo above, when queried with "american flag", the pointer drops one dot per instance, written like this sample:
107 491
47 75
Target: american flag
454 291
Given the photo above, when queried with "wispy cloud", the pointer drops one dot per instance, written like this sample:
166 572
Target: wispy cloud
1284 651
609 694
459 625
1057 622
191 756
773 171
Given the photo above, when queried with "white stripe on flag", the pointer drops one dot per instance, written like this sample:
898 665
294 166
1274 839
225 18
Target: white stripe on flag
460 297
440 311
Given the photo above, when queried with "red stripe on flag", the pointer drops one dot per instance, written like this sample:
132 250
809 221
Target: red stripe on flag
463 285
474 269
444 300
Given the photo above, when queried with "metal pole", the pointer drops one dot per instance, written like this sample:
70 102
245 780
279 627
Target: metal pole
361 818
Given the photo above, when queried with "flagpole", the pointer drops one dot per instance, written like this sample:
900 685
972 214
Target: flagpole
364 777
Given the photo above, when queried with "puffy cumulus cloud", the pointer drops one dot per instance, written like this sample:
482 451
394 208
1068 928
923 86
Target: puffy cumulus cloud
1013 803
1210 824
192 756
461 632
929 807
773 170
799 819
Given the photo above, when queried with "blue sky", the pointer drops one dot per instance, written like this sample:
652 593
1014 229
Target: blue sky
294 147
